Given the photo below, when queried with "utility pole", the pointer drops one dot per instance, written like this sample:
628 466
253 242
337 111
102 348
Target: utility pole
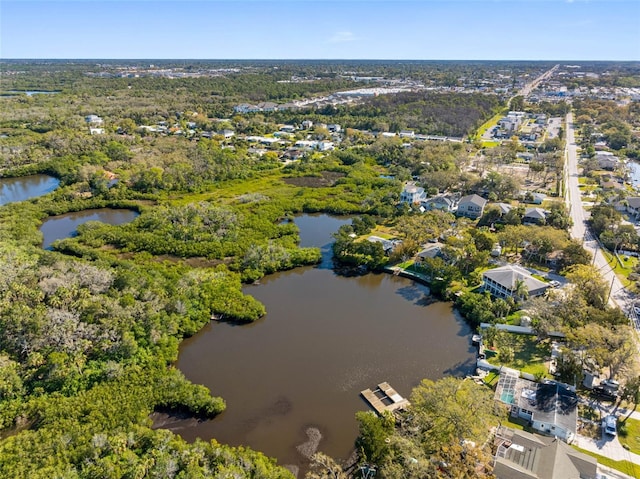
613 278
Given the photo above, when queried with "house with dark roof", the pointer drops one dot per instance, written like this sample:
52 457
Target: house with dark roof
431 250
632 204
550 407
503 282
536 216
522 455
471 206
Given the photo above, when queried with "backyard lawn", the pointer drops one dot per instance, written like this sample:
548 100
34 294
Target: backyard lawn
529 355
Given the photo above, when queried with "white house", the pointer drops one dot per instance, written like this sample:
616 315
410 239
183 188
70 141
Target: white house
325 145
307 124
550 407
407 134
412 194
306 143
334 128
93 120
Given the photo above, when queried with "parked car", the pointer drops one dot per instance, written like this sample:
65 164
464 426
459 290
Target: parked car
609 423
610 384
603 394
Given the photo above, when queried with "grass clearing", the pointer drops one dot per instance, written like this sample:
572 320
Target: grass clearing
622 268
491 379
629 434
529 354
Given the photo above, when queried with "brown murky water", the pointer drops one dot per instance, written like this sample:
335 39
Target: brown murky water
324 339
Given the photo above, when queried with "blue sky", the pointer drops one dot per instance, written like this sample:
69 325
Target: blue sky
351 29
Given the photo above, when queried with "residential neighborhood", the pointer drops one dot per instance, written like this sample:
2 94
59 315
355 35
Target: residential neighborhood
466 232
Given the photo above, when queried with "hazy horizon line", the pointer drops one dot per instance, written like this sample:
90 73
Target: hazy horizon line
2 59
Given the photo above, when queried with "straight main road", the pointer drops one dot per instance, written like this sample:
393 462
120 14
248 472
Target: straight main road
618 295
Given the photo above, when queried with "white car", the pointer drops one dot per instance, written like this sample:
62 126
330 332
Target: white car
609 423
610 384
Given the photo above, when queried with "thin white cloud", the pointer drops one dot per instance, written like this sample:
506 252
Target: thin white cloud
342 37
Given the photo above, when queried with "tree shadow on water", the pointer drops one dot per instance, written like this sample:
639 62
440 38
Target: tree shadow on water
416 295
461 368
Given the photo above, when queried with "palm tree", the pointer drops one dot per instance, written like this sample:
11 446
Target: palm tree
520 291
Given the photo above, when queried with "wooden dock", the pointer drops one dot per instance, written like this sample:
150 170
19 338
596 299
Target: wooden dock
384 398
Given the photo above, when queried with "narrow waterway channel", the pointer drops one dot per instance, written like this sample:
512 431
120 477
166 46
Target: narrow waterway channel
324 339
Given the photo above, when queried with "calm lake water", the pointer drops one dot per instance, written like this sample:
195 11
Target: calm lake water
324 339
64 226
26 187
634 173
33 92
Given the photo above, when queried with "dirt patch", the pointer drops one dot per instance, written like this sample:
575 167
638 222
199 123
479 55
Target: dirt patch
327 178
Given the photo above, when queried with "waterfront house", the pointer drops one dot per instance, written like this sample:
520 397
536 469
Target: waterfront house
431 250
471 206
632 205
607 160
522 455
503 282
550 407
387 245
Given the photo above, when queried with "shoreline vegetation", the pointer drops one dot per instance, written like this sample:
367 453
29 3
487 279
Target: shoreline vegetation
90 329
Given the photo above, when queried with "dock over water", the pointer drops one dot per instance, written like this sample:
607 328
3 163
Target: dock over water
384 398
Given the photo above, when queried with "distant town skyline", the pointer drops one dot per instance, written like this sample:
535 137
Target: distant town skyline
303 29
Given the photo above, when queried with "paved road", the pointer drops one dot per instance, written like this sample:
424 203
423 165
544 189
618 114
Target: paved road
619 296
529 87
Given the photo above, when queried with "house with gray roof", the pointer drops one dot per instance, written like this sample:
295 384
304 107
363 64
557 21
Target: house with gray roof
536 216
471 206
522 455
441 202
550 407
504 208
503 282
632 204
